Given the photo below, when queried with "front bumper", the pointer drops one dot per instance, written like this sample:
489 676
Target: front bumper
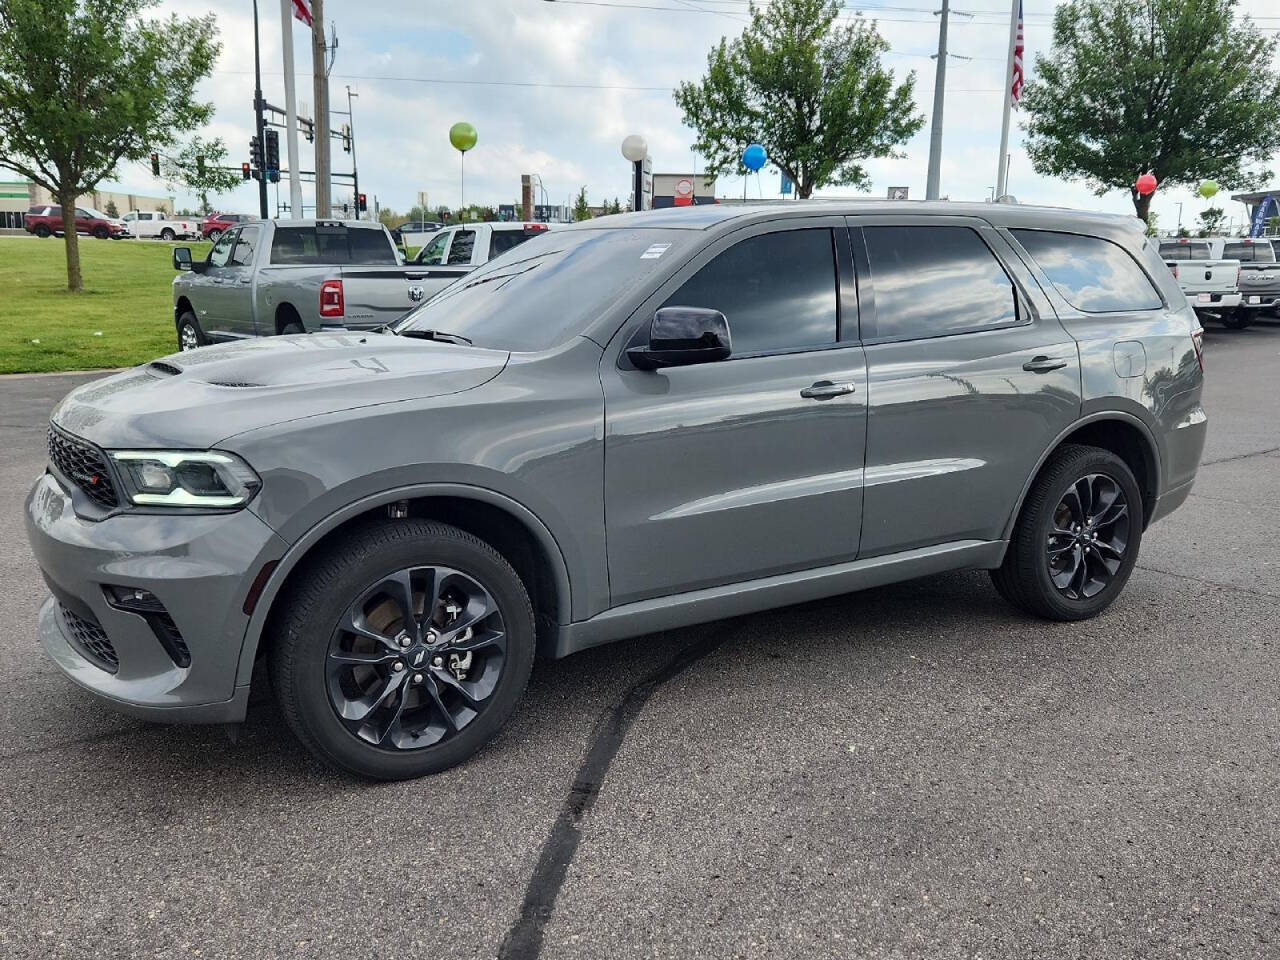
200 567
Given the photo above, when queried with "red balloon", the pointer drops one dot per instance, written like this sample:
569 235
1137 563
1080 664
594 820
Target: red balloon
1146 184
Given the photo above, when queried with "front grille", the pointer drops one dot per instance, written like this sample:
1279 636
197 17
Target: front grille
88 637
84 466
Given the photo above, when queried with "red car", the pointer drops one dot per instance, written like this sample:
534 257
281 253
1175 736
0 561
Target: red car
45 219
215 224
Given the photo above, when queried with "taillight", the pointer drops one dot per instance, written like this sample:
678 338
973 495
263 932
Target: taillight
331 304
1197 339
1174 268
534 227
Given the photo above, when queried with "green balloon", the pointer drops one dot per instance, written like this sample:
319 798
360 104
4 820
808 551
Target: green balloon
462 136
1208 188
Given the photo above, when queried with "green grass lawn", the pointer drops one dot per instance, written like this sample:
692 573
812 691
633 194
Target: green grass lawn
123 317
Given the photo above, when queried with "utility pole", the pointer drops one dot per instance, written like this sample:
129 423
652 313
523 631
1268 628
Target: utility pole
355 176
320 80
258 104
290 108
939 92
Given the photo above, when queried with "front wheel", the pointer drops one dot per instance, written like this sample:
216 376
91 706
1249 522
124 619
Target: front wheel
101 233
42 231
190 335
167 234
1077 538
214 235
402 649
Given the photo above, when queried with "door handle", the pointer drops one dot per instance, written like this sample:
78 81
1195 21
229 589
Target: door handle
246 279
826 390
1044 364
217 279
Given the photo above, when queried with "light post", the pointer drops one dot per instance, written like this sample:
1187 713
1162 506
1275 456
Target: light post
635 150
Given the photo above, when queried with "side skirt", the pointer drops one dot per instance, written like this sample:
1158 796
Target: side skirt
751 596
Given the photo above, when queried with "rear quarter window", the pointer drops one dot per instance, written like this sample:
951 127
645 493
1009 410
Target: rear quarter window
504 240
1091 274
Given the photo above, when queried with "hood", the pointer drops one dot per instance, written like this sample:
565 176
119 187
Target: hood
196 399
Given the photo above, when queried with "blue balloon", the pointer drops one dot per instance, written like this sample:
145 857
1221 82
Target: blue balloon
754 157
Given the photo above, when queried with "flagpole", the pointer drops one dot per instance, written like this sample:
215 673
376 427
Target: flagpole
290 110
1002 169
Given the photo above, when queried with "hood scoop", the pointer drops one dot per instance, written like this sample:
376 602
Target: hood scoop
163 368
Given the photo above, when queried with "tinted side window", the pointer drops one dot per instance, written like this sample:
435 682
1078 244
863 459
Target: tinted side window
433 252
371 246
1249 252
464 242
246 244
934 281
221 251
1092 274
504 240
777 290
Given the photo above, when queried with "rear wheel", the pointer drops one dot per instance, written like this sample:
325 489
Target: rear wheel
1077 538
167 234
214 235
291 328
101 233
1237 320
402 649
42 231
190 335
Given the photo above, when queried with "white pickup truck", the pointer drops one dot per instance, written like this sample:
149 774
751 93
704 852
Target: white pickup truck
1212 286
157 226
457 250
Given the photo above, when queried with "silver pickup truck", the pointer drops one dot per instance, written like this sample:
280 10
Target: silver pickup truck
270 277
1259 275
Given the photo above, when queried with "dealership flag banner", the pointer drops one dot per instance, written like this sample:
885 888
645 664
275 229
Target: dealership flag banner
302 11
1014 76
1015 88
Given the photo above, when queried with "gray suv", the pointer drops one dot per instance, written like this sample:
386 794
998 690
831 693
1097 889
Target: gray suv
635 424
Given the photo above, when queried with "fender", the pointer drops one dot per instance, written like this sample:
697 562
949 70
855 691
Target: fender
300 548
1118 415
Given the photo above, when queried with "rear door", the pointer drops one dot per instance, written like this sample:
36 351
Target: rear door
727 471
970 378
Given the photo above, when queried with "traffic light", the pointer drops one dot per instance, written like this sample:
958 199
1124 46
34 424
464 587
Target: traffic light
273 150
346 138
200 164
308 129
363 205
244 169
255 157
155 164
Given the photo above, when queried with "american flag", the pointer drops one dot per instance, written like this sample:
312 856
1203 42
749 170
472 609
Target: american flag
302 11
1015 90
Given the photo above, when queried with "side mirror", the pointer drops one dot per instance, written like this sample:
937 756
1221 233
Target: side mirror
679 336
182 258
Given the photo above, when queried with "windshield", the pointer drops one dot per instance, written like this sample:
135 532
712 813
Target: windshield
540 294
1254 252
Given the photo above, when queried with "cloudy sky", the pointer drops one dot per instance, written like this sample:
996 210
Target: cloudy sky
553 86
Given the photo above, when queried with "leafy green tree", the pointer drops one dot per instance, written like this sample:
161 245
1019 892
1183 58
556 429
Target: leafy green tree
111 210
184 171
1211 221
84 86
812 93
1177 87
581 208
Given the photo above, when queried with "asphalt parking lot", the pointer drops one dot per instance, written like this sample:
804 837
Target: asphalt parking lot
913 771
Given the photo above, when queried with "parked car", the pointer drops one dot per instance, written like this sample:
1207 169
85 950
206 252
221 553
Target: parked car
1259 275
414 233
45 220
216 224
1212 286
630 425
292 276
159 226
454 252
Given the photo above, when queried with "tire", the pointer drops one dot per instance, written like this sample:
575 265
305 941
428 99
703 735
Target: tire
213 236
190 335
42 231
311 684
1026 578
101 233
291 328
167 235
1237 320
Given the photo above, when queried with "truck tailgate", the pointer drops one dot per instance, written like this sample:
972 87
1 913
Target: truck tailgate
1260 280
1208 276
379 295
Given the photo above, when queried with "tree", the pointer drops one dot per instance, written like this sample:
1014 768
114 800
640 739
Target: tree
581 209
84 86
1176 87
1211 220
814 95
111 210
184 171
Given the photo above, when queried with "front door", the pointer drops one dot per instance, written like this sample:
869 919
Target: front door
738 469
230 292
971 376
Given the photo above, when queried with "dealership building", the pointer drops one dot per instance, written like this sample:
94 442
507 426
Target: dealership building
18 196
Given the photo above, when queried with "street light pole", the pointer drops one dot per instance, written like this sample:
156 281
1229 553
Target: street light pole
351 125
258 104
931 189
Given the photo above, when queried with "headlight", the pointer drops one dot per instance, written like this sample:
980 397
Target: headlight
186 478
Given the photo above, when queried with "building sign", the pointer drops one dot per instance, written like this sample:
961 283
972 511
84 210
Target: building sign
684 192
646 187
897 193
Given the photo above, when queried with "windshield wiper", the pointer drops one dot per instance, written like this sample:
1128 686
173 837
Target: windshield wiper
439 336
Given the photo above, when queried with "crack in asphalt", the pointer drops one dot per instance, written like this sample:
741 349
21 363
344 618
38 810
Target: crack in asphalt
524 939
1241 456
1210 583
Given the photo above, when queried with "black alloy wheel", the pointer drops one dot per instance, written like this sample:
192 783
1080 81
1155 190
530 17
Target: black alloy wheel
100 233
416 658
1086 546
